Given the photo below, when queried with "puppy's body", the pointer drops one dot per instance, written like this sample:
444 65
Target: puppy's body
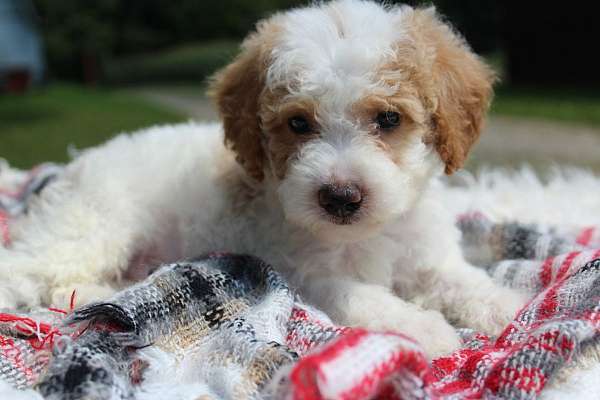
339 116
115 205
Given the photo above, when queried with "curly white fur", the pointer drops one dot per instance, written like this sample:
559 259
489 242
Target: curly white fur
175 191
162 189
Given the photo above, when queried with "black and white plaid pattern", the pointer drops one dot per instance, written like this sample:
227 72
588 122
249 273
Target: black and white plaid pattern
236 307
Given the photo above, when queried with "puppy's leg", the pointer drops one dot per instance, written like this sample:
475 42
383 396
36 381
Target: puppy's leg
112 203
70 242
18 289
468 296
375 307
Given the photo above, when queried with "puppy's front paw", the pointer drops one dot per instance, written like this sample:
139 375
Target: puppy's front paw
493 312
7 299
434 334
84 294
429 328
20 292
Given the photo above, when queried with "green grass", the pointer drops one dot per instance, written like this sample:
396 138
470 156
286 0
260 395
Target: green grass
579 106
562 105
39 126
189 62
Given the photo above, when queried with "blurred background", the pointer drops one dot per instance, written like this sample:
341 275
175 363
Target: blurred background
73 73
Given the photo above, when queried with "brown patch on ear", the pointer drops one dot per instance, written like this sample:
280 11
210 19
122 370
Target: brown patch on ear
460 87
237 90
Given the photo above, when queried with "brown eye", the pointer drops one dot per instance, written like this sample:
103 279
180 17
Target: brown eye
299 125
388 120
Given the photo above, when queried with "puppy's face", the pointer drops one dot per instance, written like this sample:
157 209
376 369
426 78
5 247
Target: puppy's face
349 108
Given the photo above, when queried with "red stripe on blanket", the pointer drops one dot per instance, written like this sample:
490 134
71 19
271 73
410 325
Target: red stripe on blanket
309 376
301 343
549 304
532 379
585 237
402 358
546 272
307 371
566 265
41 335
4 232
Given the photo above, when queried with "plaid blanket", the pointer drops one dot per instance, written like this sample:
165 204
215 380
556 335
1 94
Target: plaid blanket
228 327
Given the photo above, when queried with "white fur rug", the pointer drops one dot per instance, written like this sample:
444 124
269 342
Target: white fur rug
564 197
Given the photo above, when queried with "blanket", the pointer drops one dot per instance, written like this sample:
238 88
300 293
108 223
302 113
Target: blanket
227 326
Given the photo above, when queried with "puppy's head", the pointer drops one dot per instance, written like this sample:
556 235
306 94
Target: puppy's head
349 108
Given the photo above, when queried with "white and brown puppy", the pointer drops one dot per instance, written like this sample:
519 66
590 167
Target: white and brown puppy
340 115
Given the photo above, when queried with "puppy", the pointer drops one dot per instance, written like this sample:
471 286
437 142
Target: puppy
339 115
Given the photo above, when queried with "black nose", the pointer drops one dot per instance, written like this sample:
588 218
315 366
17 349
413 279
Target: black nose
340 200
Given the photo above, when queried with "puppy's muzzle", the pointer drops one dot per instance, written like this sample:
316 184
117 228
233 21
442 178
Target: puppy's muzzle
340 201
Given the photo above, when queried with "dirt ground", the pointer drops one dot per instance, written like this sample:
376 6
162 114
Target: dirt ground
507 141
512 142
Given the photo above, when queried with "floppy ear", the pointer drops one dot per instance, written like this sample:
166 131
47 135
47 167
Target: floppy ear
461 86
236 90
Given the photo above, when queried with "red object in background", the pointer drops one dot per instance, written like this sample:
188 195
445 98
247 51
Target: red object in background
17 80
89 63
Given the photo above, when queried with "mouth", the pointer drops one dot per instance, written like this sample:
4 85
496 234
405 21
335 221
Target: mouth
342 220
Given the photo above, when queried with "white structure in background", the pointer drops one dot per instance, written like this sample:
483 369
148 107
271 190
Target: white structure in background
21 59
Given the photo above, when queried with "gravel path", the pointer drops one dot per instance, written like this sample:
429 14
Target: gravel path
507 141
190 103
